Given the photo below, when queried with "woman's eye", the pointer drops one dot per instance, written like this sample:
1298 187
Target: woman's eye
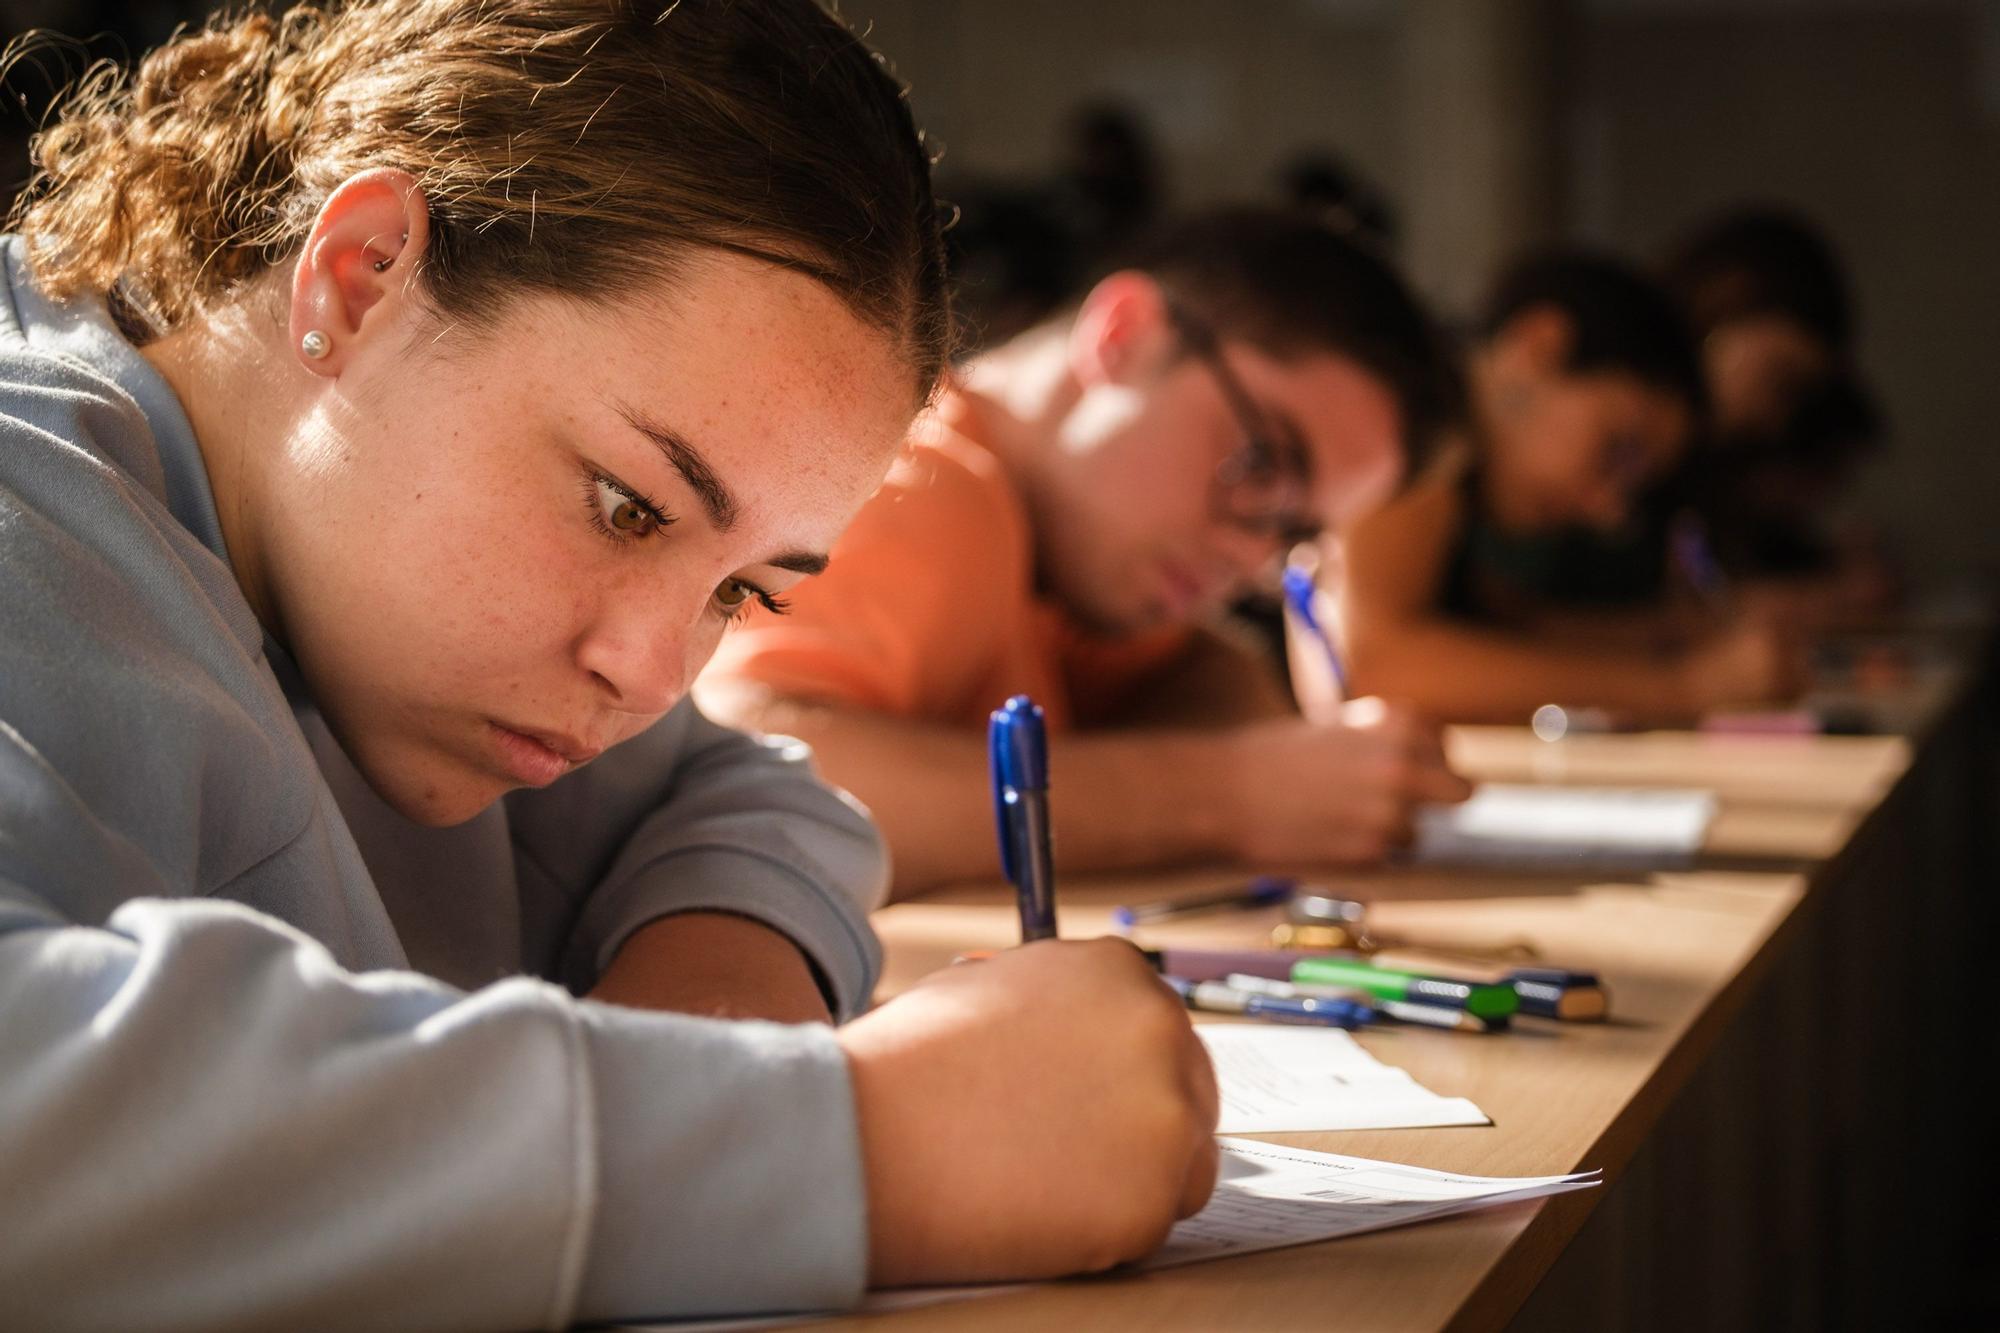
621 512
734 598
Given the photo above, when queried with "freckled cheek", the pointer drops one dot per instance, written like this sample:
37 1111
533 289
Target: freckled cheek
511 601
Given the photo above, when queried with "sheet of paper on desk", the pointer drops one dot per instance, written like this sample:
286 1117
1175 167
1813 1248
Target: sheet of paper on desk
1542 825
1267 1197
1270 1196
1275 1079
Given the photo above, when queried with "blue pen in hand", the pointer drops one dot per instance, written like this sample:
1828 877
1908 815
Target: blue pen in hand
1299 586
1017 743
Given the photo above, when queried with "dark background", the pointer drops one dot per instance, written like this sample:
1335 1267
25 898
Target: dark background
1480 126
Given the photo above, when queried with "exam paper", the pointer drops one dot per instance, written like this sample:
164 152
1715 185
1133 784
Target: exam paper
1266 1197
1275 1079
1544 825
1270 1196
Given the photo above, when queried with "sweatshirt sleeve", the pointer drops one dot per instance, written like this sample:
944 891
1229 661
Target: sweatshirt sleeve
724 822
207 1123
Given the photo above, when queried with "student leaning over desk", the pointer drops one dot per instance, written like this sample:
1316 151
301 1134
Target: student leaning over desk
1081 506
1460 597
466 366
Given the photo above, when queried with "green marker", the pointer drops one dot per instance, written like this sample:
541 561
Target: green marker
1495 1004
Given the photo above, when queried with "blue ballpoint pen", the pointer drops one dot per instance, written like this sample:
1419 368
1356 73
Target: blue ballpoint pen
1299 586
1217 998
1017 743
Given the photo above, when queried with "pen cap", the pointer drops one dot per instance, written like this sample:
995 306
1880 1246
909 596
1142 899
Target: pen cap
996 745
1018 740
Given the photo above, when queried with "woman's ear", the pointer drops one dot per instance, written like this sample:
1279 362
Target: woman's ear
1122 331
355 272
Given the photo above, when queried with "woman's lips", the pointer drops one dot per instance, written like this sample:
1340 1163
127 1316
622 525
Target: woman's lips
532 761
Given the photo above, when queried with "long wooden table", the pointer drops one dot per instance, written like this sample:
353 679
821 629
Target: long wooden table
1703 964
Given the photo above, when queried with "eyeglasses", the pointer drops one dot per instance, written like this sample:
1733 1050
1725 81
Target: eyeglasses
1264 487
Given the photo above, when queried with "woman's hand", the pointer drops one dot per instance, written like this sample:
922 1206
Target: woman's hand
1755 661
1047 1111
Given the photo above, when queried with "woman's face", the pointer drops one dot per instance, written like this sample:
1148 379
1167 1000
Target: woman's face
1758 369
1567 448
495 554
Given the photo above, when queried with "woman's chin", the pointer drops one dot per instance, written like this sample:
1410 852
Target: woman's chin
436 795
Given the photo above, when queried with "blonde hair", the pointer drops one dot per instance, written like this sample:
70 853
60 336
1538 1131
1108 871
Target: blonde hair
569 146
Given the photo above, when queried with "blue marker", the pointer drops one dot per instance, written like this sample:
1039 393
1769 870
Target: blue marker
1216 998
1299 586
1017 743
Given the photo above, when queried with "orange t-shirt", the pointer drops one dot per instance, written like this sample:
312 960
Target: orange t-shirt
928 610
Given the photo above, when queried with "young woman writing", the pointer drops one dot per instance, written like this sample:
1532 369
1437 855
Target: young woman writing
396 402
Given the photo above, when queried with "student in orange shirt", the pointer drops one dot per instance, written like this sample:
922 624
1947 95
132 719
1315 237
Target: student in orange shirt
1086 499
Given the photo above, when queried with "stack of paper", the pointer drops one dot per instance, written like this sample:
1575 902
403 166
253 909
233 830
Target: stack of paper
1267 1197
1270 1196
1275 1079
1567 826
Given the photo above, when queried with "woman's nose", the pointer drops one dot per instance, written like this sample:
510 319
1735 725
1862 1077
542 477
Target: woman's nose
642 664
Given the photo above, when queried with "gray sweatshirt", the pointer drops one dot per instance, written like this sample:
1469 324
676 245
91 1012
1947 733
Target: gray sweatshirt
272 1056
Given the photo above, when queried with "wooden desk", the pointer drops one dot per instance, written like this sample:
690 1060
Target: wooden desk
1685 955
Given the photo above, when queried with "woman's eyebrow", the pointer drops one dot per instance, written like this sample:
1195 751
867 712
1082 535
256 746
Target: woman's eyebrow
799 562
721 506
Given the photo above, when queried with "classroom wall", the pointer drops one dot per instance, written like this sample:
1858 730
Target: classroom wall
1879 117
1883 121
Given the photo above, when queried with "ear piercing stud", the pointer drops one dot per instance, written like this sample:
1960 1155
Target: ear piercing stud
315 344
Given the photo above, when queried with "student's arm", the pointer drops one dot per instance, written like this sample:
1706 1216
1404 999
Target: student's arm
1221 677
717 964
1282 790
1402 647
206 1122
1666 627
716 874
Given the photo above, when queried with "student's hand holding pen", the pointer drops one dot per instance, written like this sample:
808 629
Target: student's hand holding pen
1756 660
1047 1111
1342 792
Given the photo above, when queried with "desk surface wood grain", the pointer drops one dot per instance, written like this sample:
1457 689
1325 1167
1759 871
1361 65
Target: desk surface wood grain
1680 951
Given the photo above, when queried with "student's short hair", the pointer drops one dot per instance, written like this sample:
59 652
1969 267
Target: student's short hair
1290 285
1620 321
1761 262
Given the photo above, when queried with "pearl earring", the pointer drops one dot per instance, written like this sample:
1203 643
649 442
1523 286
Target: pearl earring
315 344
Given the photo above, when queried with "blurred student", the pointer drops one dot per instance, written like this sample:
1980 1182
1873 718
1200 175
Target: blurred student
1772 309
1083 501
353 486
1586 390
